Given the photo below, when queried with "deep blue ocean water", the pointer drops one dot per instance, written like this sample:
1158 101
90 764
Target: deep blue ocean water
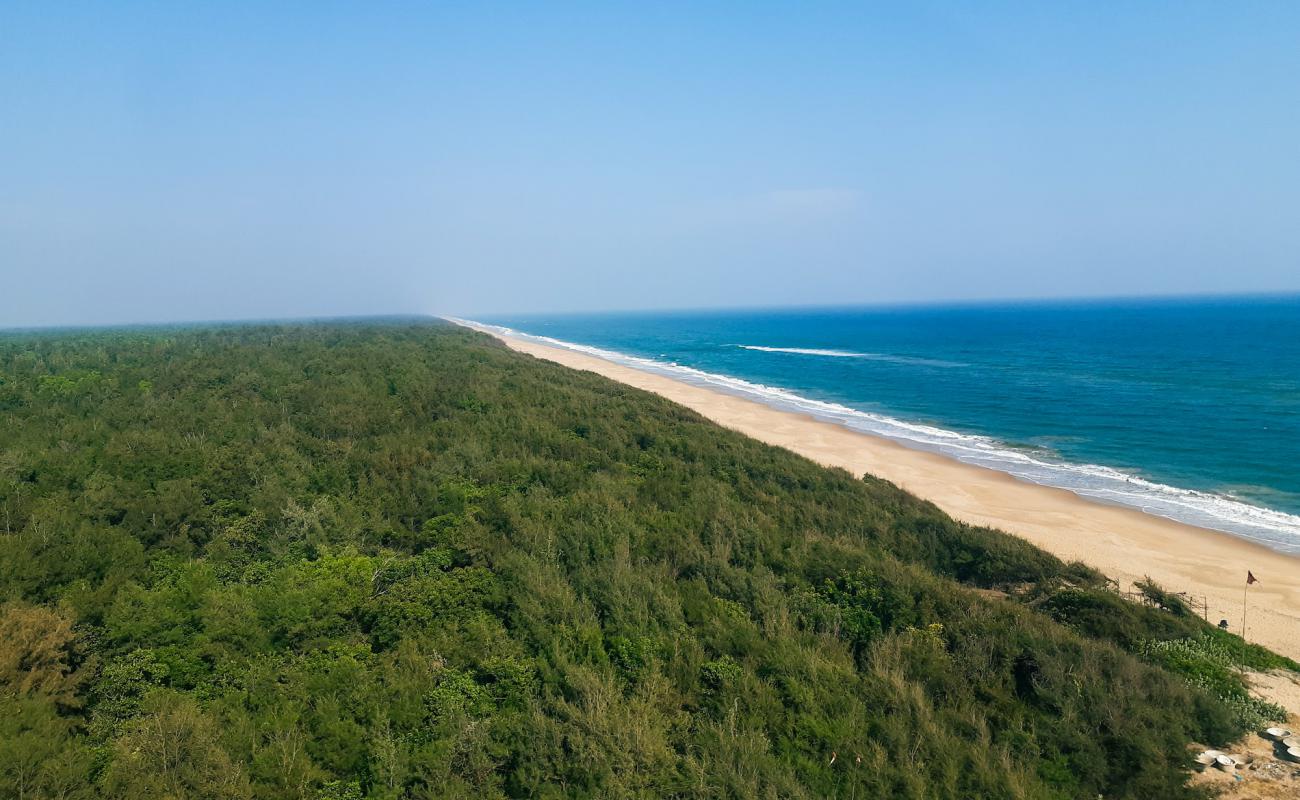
1185 408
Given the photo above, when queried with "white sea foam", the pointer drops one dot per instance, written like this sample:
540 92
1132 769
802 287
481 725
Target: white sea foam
814 351
1276 529
805 351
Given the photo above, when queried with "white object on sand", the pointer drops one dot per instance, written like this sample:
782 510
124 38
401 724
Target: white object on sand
1225 762
1276 734
1293 753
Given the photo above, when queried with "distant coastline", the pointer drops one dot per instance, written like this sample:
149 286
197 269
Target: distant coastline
1125 543
1274 528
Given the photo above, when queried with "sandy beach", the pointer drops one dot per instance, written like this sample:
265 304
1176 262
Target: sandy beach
1126 544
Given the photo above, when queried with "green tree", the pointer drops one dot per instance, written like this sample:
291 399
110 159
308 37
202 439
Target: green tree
172 752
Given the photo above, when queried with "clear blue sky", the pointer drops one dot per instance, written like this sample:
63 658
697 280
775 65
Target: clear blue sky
164 160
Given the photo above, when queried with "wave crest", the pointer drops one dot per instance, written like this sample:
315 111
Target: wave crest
805 351
814 351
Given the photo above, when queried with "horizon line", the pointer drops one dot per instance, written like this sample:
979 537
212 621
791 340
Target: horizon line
989 302
992 302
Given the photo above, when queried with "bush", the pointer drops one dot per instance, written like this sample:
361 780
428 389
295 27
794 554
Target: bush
1213 667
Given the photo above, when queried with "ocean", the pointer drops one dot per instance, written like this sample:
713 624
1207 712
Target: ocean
1187 409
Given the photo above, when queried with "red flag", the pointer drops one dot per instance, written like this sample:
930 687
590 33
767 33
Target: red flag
1250 578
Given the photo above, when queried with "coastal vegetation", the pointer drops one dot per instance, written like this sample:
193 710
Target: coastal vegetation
394 559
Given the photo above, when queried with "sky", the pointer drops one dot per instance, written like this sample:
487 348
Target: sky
174 161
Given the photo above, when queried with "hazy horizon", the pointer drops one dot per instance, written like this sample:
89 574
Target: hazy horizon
305 161
491 314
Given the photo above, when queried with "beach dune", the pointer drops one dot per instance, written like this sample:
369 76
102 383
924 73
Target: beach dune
1124 543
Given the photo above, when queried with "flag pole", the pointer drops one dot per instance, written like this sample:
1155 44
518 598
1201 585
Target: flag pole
1244 589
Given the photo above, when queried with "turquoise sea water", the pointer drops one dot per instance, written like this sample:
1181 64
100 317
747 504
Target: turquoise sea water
1188 409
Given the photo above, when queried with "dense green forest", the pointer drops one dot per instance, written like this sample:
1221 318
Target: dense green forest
394 559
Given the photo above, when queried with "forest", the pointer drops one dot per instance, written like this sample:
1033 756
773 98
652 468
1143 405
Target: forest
393 559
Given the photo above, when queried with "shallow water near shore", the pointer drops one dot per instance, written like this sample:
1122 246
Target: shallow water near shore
1187 409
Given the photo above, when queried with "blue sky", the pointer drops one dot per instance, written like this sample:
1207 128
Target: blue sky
165 161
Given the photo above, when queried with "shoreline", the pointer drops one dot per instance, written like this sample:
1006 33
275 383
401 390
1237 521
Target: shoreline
1124 543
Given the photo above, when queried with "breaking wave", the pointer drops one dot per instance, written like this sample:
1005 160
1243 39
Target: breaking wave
813 351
